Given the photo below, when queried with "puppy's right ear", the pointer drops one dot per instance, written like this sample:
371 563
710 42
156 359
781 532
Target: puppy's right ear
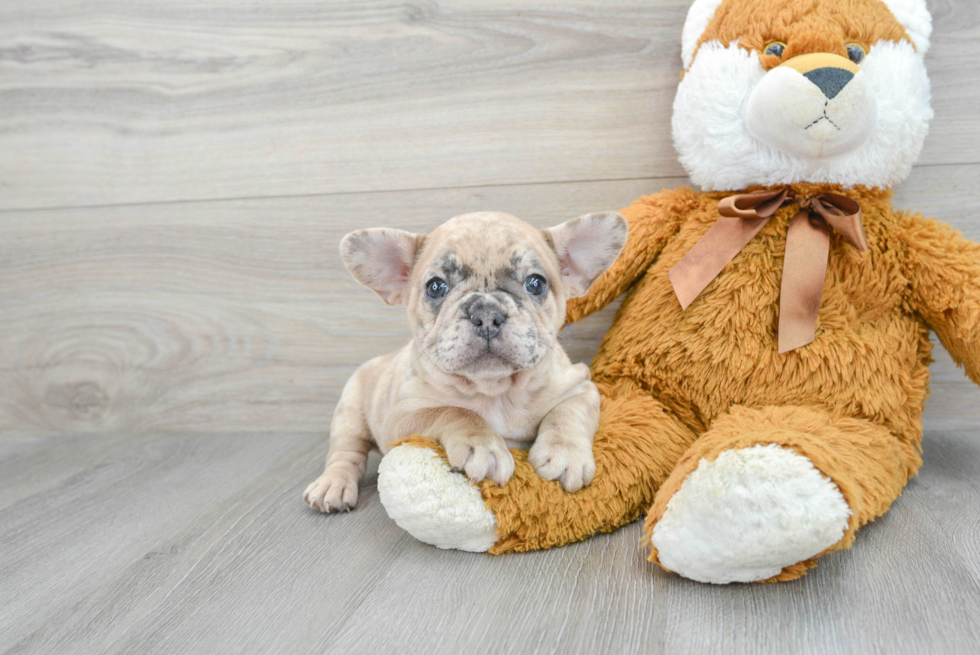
381 259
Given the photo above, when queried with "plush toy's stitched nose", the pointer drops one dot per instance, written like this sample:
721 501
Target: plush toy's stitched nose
829 72
830 80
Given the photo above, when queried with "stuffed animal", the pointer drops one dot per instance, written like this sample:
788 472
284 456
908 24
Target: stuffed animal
763 382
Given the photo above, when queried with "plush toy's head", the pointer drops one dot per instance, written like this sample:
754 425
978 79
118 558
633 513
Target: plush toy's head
783 91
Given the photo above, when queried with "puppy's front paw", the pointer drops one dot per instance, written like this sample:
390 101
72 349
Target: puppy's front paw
331 492
480 456
569 462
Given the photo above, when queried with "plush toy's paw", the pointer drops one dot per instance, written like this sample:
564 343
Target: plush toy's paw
428 500
331 492
569 462
748 514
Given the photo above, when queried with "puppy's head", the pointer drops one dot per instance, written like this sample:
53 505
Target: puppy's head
784 91
486 291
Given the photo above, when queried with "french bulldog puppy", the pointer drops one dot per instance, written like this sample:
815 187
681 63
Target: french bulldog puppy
486 297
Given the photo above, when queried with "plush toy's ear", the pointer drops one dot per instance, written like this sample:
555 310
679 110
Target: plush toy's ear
698 16
381 259
915 18
586 246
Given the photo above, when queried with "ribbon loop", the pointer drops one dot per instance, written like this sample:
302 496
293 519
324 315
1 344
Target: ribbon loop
742 216
758 204
844 215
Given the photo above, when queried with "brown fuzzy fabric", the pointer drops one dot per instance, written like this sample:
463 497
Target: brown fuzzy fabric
805 26
678 386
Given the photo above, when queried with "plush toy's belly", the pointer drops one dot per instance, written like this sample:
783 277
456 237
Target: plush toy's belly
869 358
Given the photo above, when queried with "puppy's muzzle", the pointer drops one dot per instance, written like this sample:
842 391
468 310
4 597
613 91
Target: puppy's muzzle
487 317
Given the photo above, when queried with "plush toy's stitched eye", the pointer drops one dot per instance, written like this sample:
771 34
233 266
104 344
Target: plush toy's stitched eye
436 288
775 48
856 52
535 284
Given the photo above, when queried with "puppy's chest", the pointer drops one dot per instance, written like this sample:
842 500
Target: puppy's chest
515 424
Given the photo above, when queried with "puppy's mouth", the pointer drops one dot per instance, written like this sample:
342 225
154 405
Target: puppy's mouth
488 362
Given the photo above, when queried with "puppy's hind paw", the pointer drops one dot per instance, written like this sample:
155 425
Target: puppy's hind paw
332 492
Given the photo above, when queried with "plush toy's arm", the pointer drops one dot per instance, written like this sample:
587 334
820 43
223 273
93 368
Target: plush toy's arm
652 221
943 269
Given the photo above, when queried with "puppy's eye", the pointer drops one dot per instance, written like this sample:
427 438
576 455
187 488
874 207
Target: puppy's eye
856 52
775 48
436 288
535 284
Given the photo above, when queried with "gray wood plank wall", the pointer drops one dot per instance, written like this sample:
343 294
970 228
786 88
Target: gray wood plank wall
175 177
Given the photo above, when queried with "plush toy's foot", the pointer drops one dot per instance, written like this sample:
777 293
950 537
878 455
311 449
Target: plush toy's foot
636 447
748 514
430 502
766 491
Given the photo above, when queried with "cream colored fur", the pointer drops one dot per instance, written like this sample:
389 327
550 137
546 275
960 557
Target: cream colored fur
475 392
422 495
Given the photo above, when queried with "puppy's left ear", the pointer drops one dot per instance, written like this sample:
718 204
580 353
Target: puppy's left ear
587 246
382 259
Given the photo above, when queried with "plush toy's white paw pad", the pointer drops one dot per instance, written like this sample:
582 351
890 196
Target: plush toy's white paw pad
430 502
748 514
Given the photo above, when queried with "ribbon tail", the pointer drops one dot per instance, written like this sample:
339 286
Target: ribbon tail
710 255
804 272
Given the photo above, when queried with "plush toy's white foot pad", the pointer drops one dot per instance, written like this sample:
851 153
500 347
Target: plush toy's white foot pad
747 515
432 503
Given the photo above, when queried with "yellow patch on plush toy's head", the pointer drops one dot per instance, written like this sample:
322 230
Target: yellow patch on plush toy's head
808 64
818 91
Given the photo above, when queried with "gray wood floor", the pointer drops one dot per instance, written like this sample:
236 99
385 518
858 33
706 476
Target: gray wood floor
175 328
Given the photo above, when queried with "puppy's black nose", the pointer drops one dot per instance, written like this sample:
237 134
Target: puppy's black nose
487 319
830 80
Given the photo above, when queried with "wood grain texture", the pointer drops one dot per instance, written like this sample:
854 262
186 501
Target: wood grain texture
126 101
215 316
238 315
200 544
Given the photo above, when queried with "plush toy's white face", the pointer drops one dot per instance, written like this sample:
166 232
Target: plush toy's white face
783 91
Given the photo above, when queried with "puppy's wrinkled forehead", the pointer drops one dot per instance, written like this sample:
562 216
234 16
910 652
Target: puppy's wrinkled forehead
486 247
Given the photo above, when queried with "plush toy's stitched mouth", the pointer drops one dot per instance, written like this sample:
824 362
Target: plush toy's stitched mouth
824 117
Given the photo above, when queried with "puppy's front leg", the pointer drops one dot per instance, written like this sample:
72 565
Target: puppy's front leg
350 443
563 448
471 446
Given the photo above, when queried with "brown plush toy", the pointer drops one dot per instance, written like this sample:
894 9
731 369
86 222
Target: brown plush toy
764 380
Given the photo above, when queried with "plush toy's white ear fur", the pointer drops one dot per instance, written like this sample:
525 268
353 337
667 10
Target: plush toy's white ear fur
915 17
912 14
587 246
698 17
381 259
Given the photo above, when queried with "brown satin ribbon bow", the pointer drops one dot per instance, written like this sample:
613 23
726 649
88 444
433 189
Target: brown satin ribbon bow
805 259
